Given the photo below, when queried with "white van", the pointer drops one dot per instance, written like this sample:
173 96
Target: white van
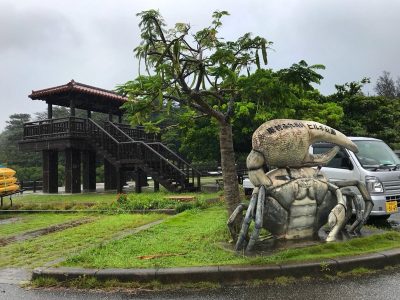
375 164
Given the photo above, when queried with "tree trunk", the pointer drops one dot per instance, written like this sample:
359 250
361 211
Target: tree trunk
229 175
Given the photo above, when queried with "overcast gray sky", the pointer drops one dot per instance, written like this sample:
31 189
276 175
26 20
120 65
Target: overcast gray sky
44 43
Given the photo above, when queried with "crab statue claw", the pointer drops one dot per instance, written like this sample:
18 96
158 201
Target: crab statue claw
295 200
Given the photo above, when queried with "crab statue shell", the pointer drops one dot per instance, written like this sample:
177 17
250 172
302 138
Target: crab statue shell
294 201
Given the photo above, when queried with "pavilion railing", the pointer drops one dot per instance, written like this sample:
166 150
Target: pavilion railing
75 126
138 134
53 128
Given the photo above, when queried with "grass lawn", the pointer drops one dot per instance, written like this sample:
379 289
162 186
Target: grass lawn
41 250
105 201
20 223
60 201
193 238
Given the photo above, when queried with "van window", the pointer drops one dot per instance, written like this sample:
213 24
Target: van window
340 161
376 154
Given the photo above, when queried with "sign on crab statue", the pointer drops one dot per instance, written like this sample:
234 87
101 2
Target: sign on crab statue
295 200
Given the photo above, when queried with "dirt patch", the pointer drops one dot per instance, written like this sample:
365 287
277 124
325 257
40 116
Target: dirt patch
181 198
9 220
39 232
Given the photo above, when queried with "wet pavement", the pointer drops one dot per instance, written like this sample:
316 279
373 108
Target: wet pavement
383 285
392 223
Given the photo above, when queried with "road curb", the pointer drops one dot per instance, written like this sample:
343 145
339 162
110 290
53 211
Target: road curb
228 273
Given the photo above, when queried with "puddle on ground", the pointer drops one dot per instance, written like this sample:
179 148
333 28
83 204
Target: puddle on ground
9 220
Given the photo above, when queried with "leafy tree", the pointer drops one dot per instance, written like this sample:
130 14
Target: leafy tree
197 71
385 86
205 75
26 164
372 116
348 89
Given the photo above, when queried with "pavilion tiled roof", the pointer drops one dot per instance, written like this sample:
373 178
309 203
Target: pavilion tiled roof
74 86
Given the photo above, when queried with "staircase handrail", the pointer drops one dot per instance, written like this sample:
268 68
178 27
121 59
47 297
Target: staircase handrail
132 141
156 153
176 156
103 130
162 145
121 131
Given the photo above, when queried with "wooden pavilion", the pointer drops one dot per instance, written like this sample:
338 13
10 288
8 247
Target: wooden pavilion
122 147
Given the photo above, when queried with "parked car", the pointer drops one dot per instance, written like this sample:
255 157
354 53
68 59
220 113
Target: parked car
375 164
247 186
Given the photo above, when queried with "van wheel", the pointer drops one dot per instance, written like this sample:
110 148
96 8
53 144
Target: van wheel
381 217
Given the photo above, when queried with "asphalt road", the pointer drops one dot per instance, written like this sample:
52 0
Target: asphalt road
380 285
383 285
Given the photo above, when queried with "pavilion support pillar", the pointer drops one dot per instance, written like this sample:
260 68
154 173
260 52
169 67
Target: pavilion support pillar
50 171
89 171
156 185
143 178
72 107
120 119
89 114
110 176
120 180
72 171
138 180
49 111
110 117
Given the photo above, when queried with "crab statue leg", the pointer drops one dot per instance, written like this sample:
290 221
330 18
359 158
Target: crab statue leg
231 221
356 226
240 243
337 216
258 224
353 202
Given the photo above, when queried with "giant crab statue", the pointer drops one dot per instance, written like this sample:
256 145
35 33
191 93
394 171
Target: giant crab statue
295 200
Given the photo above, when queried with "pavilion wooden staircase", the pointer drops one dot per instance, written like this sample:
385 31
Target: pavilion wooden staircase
122 146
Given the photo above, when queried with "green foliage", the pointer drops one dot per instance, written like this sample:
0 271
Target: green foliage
349 89
26 164
122 199
386 87
302 75
372 116
130 202
313 106
200 141
195 71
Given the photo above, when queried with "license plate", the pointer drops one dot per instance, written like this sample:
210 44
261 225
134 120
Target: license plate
391 206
